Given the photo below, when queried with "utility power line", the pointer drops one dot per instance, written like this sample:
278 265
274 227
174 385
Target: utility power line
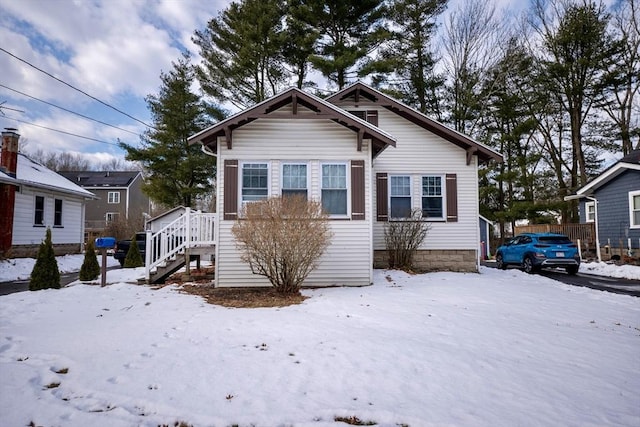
67 110
75 88
62 131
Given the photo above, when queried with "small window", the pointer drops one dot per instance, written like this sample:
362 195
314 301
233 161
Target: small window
400 196
38 218
432 197
634 209
334 189
294 180
111 217
57 217
255 182
590 211
113 197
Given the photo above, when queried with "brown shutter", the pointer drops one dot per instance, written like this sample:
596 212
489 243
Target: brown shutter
357 189
230 189
452 197
382 200
372 117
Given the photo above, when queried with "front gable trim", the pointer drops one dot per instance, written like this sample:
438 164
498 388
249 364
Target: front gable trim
606 176
320 110
359 90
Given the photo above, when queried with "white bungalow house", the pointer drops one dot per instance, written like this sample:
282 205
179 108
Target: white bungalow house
34 198
368 158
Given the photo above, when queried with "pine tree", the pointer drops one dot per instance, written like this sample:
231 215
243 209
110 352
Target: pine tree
241 53
348 29
176 173
133 258
90 269
45 273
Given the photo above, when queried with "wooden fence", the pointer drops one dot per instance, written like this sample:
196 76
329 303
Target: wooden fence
586 233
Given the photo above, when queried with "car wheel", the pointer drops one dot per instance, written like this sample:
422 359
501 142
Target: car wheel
529 266
500 262
572 270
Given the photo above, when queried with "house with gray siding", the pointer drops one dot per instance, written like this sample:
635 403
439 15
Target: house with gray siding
369 159
612 202
119 196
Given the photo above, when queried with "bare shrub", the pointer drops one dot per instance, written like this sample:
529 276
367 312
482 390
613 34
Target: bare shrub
282 239
403 238
122 227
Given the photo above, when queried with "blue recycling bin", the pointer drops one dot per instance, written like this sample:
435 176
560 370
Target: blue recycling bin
105 242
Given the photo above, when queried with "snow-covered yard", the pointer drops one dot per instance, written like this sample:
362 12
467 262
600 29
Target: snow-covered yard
490 349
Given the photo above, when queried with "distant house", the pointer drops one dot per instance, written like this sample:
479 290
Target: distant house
119 196
612 202
369 159
33 198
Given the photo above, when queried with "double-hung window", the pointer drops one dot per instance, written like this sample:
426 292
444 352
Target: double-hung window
294 179
111 217
334 188
57 216
400 196
38 218
634 209
113 197
432 197
255 182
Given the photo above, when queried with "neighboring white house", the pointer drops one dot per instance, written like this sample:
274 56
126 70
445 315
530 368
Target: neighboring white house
367 158
35 198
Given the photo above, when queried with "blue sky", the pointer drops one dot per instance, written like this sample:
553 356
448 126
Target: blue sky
112 49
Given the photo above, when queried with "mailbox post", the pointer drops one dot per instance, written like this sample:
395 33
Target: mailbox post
104 243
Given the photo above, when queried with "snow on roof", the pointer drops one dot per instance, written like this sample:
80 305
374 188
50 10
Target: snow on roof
32 173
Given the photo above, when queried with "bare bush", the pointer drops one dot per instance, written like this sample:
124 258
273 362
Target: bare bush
122 227
403 238
282 239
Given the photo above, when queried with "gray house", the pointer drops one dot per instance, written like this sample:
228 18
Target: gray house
612 202
119 195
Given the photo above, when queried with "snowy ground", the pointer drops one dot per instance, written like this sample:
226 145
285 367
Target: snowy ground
500 348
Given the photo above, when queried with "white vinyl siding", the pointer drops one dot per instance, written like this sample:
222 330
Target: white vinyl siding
348 259
420 153
24 232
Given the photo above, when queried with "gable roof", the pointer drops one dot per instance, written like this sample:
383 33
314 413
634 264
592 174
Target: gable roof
100 179
33 174
359 89
629 162
295 97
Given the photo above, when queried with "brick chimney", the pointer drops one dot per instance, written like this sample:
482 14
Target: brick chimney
9 165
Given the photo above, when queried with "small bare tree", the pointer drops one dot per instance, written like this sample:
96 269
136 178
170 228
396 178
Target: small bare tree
403 238
282 239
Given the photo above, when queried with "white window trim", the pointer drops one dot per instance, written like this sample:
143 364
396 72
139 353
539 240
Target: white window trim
240 180
109 197
287 163
112 214
587 205
443 187
411 203
632 194
347 166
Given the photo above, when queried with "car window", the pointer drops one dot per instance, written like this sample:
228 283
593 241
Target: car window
525 239
555 240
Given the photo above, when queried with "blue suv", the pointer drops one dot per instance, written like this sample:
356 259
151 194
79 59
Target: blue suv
533 251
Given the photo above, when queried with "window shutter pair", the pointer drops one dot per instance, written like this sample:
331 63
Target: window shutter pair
382 197
231 190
